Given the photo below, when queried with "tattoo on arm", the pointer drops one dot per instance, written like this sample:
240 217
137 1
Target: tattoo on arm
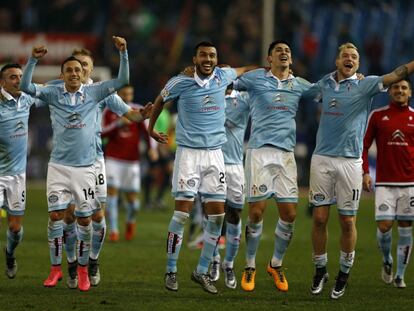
401 71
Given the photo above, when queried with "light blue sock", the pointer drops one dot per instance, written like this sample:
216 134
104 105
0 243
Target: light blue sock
13 239
233 236
112 211
283 236
175 239
98 238
70 238
132 208
346 261
253 234
84 243
211 236
55 238
405 244
320 261
384 241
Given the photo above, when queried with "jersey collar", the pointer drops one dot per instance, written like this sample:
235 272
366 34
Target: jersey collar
270 74
204 82
80 90
333 75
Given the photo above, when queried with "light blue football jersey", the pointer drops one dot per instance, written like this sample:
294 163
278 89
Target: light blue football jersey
273 107
14 126
201 111
74 116
113 102
345 109
237 116
116 105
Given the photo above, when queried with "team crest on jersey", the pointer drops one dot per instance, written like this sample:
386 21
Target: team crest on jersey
318 197
191 183
383 207
263 188
53 198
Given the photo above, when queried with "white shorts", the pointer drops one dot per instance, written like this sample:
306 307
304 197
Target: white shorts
69 184
336 180
123 175
271 172
100 184
394 203
199 170
235 185
13 193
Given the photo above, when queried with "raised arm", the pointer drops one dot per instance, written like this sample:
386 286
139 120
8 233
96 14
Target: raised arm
26 84
156 110
398 73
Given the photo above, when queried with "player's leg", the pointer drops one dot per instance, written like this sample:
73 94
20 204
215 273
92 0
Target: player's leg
259 187
14 188
321 196
213 190
385 214
98 223
348 190
113 173
70 239
405 217
234 205
287 197
132 207
59 197
83 187
183 189
131 184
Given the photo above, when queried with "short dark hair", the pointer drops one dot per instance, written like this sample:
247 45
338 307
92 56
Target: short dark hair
407 79
69 59
274 43
203 44
8 66
83 52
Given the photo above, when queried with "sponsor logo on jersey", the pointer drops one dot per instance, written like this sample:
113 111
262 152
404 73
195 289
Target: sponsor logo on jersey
333 104
383 207
208 104
385 118
397 139
75 121
19 127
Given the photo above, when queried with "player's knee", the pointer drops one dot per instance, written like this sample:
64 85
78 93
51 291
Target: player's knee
320 221
384 226
233 215
348 226
56 215
14 226
84 221
97 216
255 215
289 216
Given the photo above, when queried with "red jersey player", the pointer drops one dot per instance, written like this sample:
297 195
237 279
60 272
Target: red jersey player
122 157
392 127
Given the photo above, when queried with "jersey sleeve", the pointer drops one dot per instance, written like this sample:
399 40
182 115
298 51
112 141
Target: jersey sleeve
368 139
173 88
230 74
244 82
371 85
116 104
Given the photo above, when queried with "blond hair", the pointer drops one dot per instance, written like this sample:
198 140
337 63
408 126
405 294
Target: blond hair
347 45
83 52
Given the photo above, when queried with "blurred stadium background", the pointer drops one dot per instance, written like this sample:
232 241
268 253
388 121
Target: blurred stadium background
161 36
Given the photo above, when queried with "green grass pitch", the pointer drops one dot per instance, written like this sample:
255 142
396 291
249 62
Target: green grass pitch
132 272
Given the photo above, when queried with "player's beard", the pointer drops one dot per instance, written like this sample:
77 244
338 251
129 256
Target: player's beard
202 73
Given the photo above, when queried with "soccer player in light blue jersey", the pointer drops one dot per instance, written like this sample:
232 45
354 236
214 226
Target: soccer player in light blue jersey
14 115
71 170
237 116
336 166
114 103
199 164
270 163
